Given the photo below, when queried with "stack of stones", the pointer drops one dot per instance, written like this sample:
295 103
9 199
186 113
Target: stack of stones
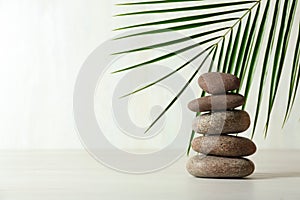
221 153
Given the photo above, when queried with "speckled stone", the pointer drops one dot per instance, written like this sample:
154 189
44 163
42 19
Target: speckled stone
216 103
224 145
218 83
224 122
219 167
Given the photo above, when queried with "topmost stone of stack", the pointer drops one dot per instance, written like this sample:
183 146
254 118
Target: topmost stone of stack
218 83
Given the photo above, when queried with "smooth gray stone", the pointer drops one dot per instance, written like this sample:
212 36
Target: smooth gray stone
216 102
225 122
218 83
219 167
224 145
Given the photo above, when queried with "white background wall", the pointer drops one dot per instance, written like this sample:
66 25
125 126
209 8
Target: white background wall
43 44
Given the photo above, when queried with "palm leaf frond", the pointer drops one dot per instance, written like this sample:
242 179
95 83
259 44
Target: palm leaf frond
181 91
267 54
167 55
190 8
294 82
249 45
155 2
221 55
227 54
168 75
281 48
243 46
255 53
184 19
236 48
177 41
181 27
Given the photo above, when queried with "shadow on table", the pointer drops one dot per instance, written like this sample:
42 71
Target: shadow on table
274 175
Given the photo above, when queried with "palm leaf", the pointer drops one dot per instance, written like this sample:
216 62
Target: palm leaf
180 28
296 87
281 48
164 44
233 54
168 75
243 46
213 58
167 55
294 83
240 47
255 53
275 70
227 54
221 55
154 2
183 19
249 45
180 92
265 64
234 49
191 8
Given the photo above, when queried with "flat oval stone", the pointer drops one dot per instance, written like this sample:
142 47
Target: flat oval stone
224 145
219 167
225 122
218 83
216 103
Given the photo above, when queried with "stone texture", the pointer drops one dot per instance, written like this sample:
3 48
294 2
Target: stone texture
228 146
216 103
218 83
219 167
224 122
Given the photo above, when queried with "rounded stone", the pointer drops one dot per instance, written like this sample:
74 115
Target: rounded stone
218 83
228 146
216 103
219 167
225 122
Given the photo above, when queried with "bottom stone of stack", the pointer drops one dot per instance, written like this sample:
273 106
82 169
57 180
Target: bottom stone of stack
219 167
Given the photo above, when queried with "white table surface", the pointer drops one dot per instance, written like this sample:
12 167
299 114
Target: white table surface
30 175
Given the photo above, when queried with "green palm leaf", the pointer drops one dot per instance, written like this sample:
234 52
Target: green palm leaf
255 53
180 28
243 46
267 54
154 2
180 92
221 55
164 44
191 8
234 49
213 58
249 45
227 54
168 75
167 55
295 77
281 48
184 19
240 46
